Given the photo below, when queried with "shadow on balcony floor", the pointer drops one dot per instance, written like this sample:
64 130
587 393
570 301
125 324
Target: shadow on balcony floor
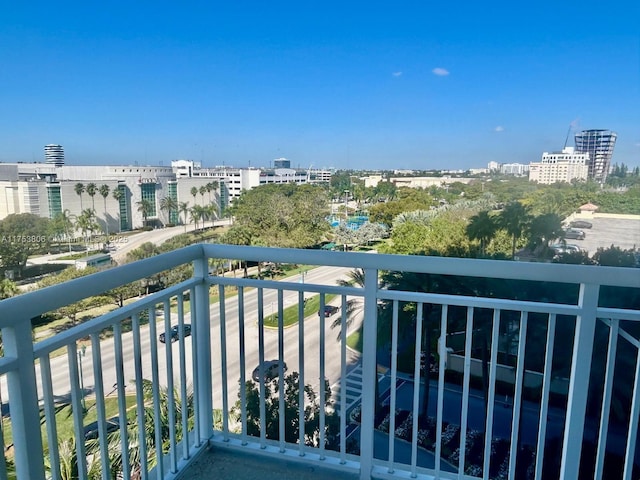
231 464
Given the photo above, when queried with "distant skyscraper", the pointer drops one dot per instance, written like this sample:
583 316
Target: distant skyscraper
54 155
599 145
281 163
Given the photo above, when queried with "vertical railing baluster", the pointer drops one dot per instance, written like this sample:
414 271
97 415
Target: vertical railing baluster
632 433
223 363
23 400
183 378
369 371
122 400
606 400
442 362
301 395
77 408
488 436
579 381
544 403
281 405
343 381
416 389
50 416
261 385
155 391
96 356
394 385
243 366
171 402
203 349
517 395
322 392
139 386
197 415
466 388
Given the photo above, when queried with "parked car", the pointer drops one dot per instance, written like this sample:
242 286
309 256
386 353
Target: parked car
175 334
271 370
574 234
580 224
565 247
329 310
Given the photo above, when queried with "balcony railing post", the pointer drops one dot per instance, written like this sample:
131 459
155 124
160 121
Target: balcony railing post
579 381
23 402
369 372
203 350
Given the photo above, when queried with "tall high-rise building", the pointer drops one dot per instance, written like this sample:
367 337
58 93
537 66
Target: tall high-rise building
54 155
599 145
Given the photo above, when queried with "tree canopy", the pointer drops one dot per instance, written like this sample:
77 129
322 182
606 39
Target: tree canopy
286 215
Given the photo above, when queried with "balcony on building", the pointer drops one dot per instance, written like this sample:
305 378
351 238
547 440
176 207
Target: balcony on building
462 369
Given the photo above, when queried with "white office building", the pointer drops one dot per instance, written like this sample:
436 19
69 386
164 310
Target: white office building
562 166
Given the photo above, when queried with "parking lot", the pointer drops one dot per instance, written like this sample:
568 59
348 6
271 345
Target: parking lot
621 232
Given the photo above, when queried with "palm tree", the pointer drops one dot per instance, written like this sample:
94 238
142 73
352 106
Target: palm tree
104 191
79 189
144 207
117 194
202 190
92 189
482 227
514 219
197 214
543 229
212 213
183 207
168 204
194 194
86 223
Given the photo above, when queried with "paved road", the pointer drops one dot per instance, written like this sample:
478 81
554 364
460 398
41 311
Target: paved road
312 335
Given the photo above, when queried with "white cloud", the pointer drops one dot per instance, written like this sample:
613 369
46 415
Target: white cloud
499 128
397 74
441 72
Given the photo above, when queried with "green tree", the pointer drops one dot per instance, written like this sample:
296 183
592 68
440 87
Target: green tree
8 289
286 215
194 194
92 189
22 235
239 235
169 205
87 224
202 190
615 257
104 191
482 227
183 208
79 189
291 407
118 194
514 218
145 208
542 230
61 227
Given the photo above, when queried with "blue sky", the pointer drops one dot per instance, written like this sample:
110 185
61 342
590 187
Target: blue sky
331 84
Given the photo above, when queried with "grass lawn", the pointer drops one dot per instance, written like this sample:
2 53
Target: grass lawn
290 314
64 418
355 340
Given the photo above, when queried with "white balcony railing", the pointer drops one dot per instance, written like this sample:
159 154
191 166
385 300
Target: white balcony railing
498 424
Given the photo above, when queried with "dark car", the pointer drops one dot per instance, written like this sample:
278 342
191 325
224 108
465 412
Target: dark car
580 224
271 370
574 234
175 334
329 310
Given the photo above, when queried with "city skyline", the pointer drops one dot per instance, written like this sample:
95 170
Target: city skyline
354 86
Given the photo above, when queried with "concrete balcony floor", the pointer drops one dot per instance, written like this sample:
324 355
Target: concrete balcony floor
233 464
